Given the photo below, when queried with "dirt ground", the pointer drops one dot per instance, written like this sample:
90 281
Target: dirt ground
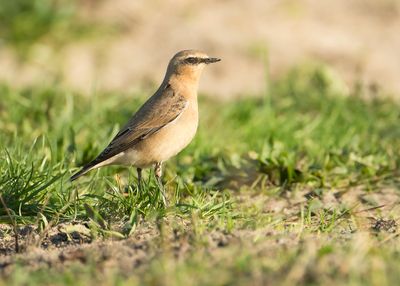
59 246
359 39
68 243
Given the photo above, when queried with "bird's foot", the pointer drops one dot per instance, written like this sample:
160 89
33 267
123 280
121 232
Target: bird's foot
158 174
162 192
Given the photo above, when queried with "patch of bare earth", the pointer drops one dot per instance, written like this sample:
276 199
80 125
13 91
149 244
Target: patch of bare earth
277 224
61 247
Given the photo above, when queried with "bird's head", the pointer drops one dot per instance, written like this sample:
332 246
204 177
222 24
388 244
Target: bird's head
189 64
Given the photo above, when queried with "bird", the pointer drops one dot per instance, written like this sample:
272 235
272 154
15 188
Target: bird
163 126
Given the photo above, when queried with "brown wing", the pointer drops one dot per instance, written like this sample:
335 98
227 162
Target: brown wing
156 113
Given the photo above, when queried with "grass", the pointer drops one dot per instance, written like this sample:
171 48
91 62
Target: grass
27 27
291 183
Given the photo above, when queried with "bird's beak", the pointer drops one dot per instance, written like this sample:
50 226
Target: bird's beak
211 60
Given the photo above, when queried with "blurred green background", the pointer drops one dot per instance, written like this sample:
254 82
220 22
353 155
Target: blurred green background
122 44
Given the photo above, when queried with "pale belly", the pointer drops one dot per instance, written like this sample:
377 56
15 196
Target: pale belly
162 145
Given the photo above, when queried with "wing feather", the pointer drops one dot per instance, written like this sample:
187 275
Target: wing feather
156 113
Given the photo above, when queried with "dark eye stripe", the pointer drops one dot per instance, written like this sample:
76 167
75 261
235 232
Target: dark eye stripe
192 60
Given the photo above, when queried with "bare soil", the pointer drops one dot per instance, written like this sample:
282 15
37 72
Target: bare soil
60 248
66 243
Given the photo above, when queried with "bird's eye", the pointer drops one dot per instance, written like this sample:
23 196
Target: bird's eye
191 60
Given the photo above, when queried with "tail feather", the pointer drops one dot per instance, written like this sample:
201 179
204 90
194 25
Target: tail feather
98 162
83 171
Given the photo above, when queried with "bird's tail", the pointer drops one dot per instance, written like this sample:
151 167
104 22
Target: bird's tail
83 171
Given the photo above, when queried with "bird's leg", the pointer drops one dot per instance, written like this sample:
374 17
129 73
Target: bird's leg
158 173
139 178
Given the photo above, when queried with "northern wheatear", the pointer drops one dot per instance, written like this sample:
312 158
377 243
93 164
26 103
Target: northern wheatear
164 125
